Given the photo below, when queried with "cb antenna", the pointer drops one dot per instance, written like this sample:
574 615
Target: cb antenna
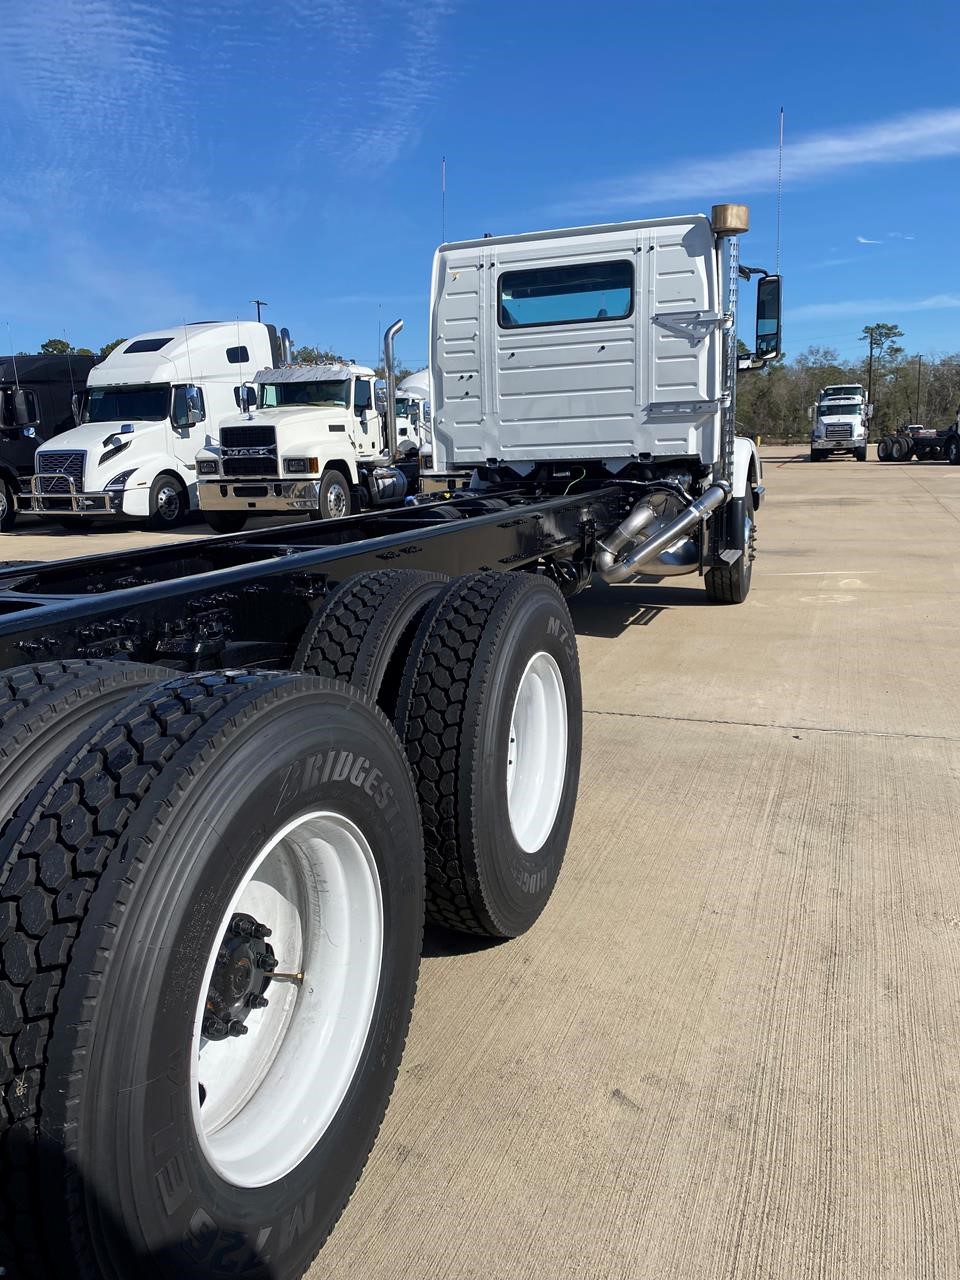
443 199
779 186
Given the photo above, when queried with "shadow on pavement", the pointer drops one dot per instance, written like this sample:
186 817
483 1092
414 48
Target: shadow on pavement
606 611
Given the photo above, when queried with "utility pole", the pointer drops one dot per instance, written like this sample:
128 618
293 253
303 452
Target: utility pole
919 363
258 303
870 370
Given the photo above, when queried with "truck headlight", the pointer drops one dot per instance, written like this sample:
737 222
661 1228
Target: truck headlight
120 480
301 466
208 467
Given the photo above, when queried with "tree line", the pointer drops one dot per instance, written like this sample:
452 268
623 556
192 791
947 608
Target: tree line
772 402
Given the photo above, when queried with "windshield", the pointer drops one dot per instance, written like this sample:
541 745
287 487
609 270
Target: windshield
332 392
150 403
403 407
845 409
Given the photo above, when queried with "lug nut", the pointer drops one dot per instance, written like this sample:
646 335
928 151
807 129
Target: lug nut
213 1028
256 1002
237 1028
246 927
267 962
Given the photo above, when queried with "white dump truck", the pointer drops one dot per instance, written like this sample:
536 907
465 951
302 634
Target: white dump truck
840 418
239 772
146 410
310 442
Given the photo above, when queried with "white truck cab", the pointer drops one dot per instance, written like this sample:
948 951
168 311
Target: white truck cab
413 415
840 421
146 410
296 449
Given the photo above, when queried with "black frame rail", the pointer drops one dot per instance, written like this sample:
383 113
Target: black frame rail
245 599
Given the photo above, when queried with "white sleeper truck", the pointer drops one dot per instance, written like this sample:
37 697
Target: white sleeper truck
840 420
239 772
311 442
147 409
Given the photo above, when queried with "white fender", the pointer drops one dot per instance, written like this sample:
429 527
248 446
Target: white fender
744 454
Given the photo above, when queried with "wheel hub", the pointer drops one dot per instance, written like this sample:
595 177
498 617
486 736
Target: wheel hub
240 978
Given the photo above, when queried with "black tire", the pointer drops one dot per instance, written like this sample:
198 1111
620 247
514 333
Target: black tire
8 507
953 451
44 708
730 583
885 449
334 501
169 504
900 449
121 882
860 454
225 521
363 631
455 716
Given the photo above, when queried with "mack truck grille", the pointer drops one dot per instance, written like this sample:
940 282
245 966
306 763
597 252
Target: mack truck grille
67 464
839 433
249 451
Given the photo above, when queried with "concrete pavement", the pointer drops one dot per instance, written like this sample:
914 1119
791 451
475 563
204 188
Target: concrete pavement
731 1046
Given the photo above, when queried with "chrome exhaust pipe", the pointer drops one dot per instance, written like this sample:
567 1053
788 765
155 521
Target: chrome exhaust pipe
390 368
621 557
286 347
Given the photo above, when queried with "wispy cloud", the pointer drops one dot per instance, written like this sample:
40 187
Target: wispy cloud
873 306
918 136
833 262
865 240
899 235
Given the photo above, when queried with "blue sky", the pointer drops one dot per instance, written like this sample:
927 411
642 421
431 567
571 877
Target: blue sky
171 162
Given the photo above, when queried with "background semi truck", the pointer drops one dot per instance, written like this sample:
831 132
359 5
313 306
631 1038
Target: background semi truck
841 418
239 770
36 399
311 442
413 414
149 406
926 444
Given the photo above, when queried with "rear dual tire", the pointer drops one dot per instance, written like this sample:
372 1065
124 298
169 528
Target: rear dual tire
133 1180
150 824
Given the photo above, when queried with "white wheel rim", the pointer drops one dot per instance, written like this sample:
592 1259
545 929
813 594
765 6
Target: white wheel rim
271 1094
537 752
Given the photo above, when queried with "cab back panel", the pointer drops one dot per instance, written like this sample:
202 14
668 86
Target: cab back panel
606 387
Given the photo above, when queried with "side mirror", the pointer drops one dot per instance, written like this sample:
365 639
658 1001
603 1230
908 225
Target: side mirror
21 409
810 414
767 346
75 406
246 397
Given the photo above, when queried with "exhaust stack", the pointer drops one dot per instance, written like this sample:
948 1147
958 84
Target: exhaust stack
390 367
286 347
622 557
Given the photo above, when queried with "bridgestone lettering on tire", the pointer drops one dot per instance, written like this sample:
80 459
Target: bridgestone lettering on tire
119 881
487 639
364 629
